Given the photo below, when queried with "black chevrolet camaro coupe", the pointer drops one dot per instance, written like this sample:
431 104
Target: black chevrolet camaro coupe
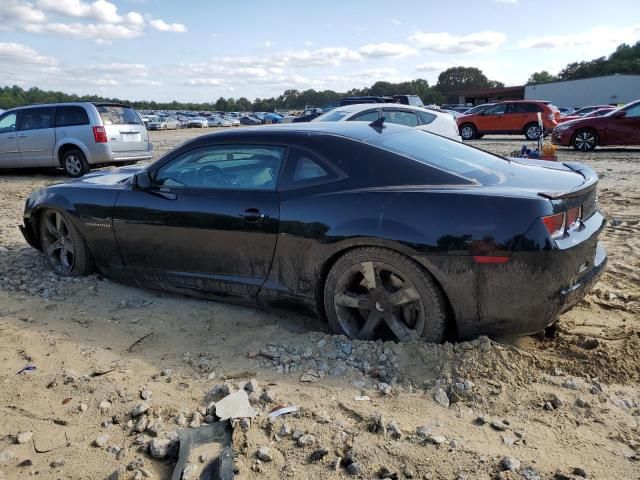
387 231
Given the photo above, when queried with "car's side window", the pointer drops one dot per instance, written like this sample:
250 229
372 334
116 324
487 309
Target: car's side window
305 169
400 117
633 112
239 167
426 118
496 109
368 116
8 122
517 108
36 118
71 116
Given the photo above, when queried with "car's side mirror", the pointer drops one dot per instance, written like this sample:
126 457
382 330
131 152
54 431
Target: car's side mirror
142 180
620 114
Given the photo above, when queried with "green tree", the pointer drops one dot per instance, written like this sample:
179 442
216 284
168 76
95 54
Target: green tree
463 78
541 77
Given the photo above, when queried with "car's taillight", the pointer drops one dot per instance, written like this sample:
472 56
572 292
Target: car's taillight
555 224
573 216
99 135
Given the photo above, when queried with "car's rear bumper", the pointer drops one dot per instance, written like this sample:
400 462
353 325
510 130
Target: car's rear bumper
132 156
569 297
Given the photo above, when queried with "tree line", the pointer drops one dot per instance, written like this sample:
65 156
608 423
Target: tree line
625 59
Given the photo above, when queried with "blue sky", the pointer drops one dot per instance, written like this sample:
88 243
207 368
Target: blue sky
198 50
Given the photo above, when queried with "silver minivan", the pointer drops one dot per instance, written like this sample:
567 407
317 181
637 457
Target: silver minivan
74 136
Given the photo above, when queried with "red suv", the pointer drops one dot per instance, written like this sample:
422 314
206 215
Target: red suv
517 117
618 127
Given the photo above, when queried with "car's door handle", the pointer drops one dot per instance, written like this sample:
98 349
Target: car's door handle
11 136
23 136
253 215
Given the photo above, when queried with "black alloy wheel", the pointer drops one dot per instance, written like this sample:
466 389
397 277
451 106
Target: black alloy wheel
63 246
585 140
374 293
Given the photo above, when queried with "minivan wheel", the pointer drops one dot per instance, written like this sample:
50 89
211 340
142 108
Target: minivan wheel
468 132
74 163
585 140
532 131
375 293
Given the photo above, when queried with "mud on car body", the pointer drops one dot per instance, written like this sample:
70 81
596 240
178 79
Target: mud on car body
384 230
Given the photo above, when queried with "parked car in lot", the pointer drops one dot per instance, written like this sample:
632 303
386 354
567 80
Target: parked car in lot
249 120
477 109
310 114
164 123
566 110
620 126
581 112
598 112
198 122
235 122
516 117
74 136
388 232
428 120
215 121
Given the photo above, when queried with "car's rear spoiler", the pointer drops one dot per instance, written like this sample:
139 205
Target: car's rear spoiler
590 181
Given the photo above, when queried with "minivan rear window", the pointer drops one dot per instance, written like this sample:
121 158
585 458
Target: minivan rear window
118 115
449 155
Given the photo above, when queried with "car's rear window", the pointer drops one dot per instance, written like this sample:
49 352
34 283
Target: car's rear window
449 155
333 116
118 115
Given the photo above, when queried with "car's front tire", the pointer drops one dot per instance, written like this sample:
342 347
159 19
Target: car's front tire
373 292
585 140
468 131
63 246
74 163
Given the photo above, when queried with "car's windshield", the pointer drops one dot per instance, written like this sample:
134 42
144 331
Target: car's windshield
455 157
118 115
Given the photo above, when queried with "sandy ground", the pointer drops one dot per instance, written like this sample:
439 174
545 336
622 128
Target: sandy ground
530 408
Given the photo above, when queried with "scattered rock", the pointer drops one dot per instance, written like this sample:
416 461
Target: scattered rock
556 401
264 454
139 409
579 472
441 397
318 454
83 407
582 403
26 463
251 386
104 406
571 383
159 447
306 440
24 437
190 472
235 405
499 425
510 463
394 429
57 463
285 430
145 394
385 473
354 468
385 388
436 439
101 440
269 396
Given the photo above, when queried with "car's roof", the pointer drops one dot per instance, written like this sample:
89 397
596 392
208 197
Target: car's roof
79 103
359 107
354 130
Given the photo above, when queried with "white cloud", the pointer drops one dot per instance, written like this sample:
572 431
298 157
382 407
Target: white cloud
163 26
100 10
101 33
199 82
433 66
444 42
13 11
17 53
395 21
318 58
601 38
387 50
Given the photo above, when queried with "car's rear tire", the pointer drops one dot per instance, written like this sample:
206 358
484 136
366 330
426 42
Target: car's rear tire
532 131
63 246
74 163
585 140
373 292
468 131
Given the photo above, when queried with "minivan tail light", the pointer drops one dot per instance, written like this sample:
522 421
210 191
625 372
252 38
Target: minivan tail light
555 224
99 134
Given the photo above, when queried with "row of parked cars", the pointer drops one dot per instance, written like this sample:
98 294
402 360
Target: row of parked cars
584 129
